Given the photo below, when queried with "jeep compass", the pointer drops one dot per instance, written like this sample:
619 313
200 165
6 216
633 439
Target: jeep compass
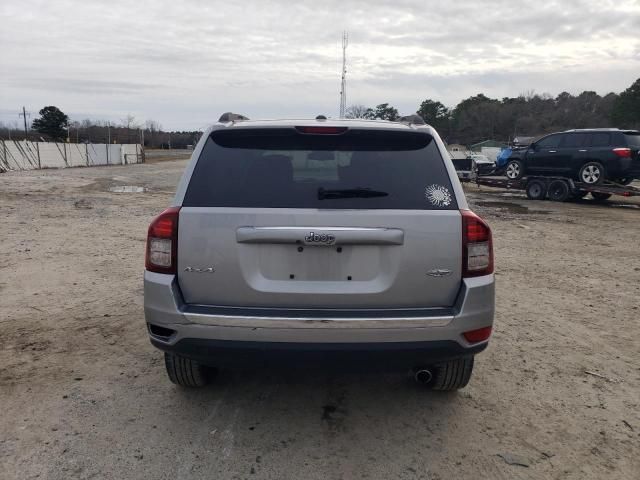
310 243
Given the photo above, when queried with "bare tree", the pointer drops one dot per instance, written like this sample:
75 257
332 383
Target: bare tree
74 125
528 95
359 111
152 126
5 130
129 122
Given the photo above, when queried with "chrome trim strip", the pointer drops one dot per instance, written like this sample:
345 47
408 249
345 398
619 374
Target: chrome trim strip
343 235
316 322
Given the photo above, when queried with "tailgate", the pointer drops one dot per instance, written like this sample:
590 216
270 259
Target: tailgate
306 259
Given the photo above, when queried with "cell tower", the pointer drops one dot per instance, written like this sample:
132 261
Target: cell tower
343 86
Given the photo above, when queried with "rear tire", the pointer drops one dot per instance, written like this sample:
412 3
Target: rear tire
536 190
452 375
600 196
514 170
591 173
185 372
559 191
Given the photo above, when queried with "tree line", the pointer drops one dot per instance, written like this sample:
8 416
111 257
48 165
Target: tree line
479 117
54 125
473 120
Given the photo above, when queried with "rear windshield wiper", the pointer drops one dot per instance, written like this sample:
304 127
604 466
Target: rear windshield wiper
349 193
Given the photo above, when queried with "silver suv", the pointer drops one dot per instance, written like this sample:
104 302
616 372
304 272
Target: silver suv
316 243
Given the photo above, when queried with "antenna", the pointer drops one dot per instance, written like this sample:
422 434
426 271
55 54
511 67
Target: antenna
343 85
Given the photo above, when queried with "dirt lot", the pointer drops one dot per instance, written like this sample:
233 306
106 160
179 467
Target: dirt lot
84 395
160 155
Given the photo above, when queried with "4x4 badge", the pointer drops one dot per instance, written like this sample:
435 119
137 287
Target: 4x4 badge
439 272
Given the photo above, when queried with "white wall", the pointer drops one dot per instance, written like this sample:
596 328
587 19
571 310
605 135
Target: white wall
23 155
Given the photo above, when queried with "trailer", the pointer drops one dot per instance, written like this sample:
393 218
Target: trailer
559 189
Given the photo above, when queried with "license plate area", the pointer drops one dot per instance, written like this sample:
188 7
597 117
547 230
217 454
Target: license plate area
299 263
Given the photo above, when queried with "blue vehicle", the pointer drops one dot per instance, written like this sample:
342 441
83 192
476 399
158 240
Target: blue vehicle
503 157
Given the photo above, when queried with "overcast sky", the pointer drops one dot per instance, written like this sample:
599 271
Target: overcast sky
183 63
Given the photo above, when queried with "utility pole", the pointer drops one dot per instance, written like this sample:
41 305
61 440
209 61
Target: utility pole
24 114
343 85
141 159
108 140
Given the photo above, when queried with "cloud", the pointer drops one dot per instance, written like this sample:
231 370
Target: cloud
79 86
183 63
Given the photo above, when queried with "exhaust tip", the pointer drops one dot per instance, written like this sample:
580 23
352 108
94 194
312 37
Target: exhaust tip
423 375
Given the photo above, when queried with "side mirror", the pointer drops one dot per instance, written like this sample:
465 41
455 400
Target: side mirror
533 147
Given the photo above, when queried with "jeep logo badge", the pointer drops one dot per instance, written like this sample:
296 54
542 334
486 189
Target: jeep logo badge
320 238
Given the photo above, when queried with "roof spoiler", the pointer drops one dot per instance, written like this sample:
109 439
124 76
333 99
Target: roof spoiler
231 117
414 119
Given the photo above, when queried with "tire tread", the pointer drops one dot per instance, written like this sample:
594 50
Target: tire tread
543 190
184 372
559 196
453 375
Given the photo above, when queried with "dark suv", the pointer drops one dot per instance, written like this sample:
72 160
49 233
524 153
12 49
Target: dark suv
589 156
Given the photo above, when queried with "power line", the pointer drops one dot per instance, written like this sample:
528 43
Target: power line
343 85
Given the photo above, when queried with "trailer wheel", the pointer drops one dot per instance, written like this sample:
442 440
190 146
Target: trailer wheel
591 173
559 191
514 170
579 195
536 190
599 196
624 180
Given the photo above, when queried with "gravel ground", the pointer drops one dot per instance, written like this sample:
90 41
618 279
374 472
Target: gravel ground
84 394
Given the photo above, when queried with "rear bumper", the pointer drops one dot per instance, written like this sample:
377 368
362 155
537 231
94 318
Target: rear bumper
353 356
253 334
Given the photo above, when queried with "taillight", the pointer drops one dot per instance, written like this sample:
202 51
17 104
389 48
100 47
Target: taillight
477 246
162 242
622 152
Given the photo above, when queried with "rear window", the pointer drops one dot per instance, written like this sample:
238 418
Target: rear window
633 139
284 168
